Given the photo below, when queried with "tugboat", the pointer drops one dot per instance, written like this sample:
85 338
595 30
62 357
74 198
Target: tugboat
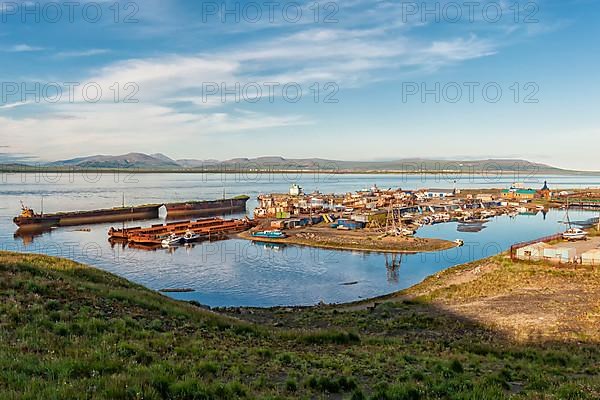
274 234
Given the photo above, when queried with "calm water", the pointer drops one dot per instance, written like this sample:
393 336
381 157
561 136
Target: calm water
237 272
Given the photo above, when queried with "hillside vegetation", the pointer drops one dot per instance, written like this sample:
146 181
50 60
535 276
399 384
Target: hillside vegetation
68 331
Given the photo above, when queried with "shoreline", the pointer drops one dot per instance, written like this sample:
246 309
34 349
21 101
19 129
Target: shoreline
480 284
484 330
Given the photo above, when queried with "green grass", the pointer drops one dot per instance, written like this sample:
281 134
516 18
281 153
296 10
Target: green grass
69 331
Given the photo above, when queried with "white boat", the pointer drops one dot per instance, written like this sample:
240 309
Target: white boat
408 232
190 237
575 234
172 240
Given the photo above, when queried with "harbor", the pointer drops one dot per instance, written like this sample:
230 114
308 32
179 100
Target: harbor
312 261
387 220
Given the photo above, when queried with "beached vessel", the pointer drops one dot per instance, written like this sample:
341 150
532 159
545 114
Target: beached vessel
575 234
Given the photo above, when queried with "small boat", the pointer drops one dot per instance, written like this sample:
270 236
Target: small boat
574 234
171 240
274 234
191 236
408 232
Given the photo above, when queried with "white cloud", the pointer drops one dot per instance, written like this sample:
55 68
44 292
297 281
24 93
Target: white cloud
349 57
24 48
82 53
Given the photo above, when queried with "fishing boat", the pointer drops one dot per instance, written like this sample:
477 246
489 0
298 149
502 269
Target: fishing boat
273 234
172 240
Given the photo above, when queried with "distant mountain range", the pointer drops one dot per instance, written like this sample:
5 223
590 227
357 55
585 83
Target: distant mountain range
161 162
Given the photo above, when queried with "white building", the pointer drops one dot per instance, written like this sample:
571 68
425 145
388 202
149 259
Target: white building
560 254
438 193
591 257
533 252
295 190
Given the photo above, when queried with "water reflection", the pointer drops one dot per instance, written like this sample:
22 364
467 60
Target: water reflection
392 264
237 272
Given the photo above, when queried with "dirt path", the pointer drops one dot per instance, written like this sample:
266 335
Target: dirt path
522 300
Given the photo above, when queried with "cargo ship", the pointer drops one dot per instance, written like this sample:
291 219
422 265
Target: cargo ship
207 208
28 219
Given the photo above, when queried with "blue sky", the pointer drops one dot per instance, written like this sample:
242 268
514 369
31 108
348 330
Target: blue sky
366 57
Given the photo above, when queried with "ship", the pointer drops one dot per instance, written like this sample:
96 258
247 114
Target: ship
29 219
207 208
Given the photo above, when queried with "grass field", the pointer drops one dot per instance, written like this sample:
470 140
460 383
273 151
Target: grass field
70 331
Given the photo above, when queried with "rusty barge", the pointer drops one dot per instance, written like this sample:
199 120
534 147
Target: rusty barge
207 208
30 220
210 228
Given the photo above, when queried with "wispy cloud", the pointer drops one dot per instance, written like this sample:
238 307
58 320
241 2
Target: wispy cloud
351 58
14 105
24 48
372 42
82 53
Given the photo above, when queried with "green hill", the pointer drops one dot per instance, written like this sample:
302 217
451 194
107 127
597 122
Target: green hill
68 331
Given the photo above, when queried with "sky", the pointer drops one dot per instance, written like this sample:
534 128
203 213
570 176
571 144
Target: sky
351 80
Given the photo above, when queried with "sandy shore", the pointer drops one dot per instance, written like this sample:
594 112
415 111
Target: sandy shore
362 240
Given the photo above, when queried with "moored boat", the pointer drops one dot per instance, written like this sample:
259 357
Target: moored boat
172 240
272 234
208 207
28 219
191 236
